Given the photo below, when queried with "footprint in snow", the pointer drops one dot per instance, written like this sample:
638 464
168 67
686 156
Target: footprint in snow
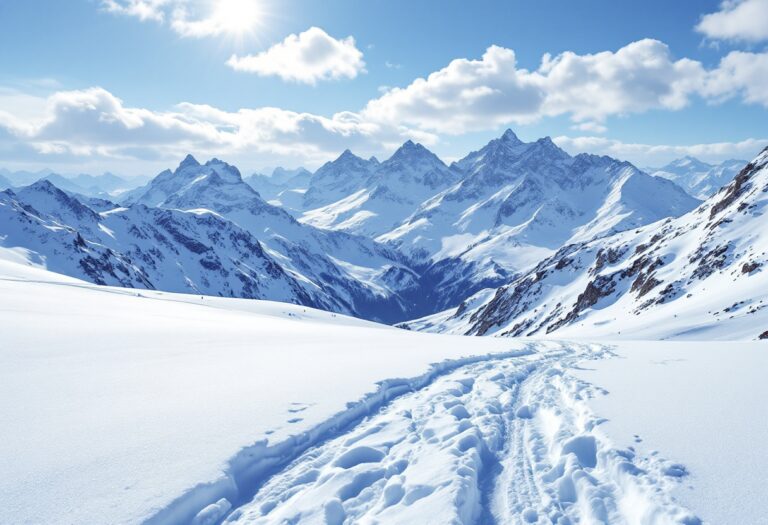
298 407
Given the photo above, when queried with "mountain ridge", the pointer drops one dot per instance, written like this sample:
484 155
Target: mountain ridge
692 276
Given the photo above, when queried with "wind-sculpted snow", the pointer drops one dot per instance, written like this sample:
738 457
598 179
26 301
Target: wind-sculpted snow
697 276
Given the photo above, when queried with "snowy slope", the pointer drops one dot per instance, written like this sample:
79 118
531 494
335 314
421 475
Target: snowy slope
134 408
699 404
700 276
698 178
377 196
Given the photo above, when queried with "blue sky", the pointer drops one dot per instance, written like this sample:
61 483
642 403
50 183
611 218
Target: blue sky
130 85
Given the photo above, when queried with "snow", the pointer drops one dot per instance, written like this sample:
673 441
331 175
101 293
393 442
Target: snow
129 399
454 451
135 406
702 404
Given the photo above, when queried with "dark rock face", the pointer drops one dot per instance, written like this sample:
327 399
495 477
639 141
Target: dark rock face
734 190
750 267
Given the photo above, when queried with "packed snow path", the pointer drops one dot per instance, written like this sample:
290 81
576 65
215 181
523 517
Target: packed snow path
508 440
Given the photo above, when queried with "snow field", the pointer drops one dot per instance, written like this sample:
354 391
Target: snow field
508 440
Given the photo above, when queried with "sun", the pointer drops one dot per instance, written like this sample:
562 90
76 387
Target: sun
237 17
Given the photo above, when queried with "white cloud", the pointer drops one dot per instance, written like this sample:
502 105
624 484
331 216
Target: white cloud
644 155
636 78
739 74
745 20
592 127
141 9
195 19
465 95
93 124
470 95
307 58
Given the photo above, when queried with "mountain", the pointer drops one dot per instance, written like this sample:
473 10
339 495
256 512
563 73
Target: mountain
701 275
105 185
381 194
24 178
369 279
283 188
151 248
400 239
517 203
518 200
5 183
337 180
698 178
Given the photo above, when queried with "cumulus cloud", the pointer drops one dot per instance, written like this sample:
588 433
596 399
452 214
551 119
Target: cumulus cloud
645 155
592 127
307 58
739 74
470 95
95 124
465 95
638 77
744 20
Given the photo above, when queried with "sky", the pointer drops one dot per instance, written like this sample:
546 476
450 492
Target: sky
131 86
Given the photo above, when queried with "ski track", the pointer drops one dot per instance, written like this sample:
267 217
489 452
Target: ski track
494 440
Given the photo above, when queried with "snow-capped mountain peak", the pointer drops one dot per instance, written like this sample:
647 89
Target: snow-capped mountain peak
189 161
510 137
338 179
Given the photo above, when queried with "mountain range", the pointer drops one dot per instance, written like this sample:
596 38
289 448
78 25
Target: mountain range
406 238
700 179
476 223
107 185
704 269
